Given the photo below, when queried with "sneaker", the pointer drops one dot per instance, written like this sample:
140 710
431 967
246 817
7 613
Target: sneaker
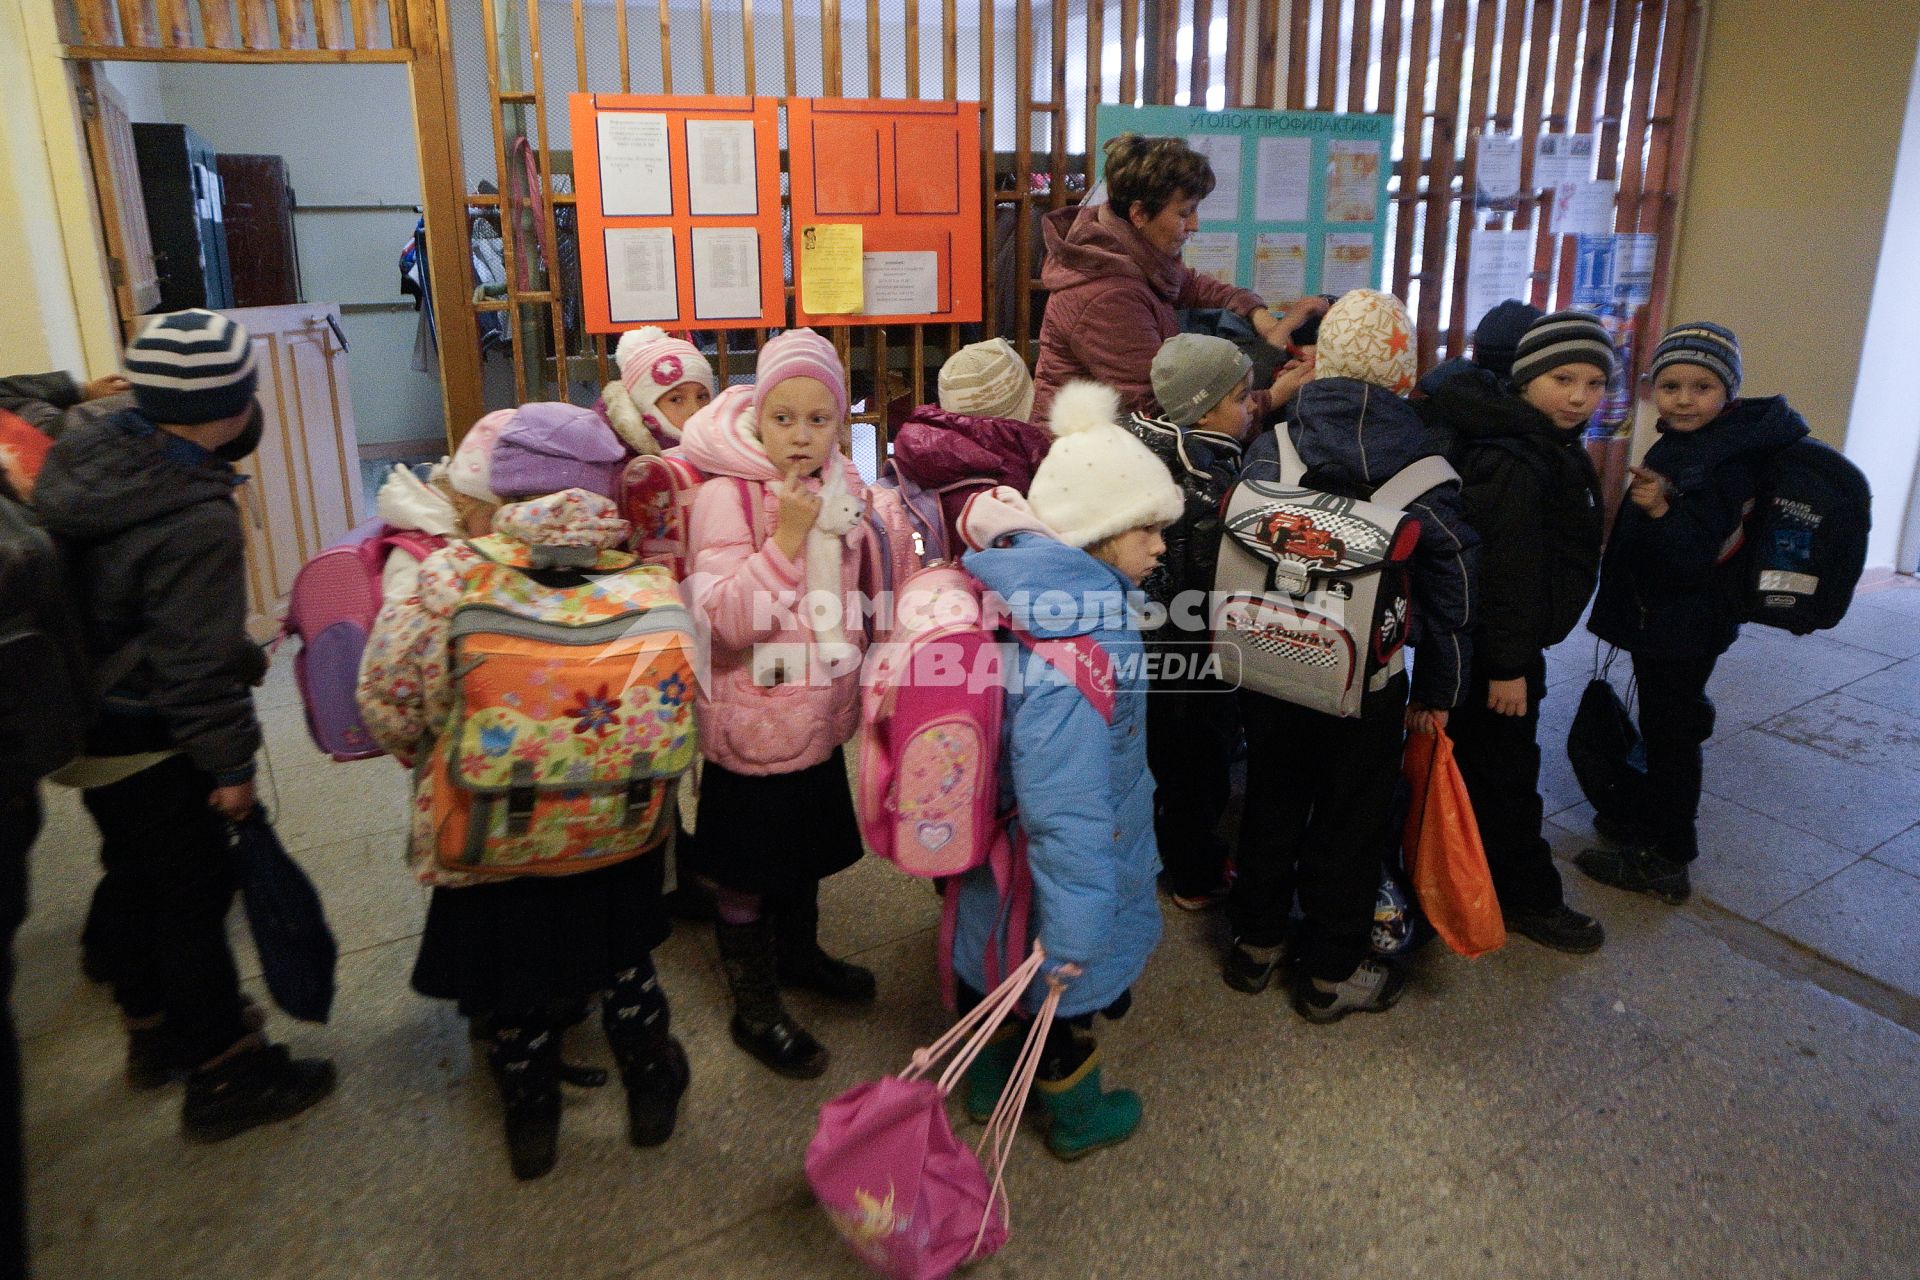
1559 927
1199 901
1638 870
1250 969
1374 987
256 1087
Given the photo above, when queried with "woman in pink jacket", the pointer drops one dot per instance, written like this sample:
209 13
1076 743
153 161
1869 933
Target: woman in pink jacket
774 551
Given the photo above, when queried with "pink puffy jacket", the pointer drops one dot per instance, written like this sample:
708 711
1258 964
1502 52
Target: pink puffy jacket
765 706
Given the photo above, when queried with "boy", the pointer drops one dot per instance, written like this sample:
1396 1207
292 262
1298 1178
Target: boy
143 501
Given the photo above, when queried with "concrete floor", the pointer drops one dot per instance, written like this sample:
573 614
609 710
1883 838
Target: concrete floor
1731 1089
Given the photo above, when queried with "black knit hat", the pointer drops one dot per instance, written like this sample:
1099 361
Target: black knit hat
1565 337
1713 347
1498 336
191 367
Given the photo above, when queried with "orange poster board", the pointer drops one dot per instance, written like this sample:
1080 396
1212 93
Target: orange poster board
679 207
909 174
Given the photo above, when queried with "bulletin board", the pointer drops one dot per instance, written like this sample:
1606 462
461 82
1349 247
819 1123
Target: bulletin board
908 174
1299 204
679 207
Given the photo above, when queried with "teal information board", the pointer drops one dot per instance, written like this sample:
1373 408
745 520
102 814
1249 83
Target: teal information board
1300 201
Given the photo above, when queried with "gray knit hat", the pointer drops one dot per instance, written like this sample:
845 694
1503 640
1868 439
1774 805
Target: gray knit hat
191 367
1565 337
1192 372
1713 347
987 379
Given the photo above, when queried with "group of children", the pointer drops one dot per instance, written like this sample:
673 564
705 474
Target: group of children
1095 505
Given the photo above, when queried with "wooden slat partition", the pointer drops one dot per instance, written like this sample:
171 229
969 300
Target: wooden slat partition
1485 18
1329 60
1419 43
1301 31
216 23
1439 195
1266 64
1359 54
330 30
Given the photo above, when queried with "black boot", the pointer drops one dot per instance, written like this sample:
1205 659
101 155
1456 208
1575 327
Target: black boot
526 1065
653 1066
761 1024
253 1087
800 962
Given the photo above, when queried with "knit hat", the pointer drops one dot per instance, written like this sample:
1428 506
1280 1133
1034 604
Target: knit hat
1565 337
1499 333
987 379
471 470
1713 347
1367 336
550 446
800 353
191 367
652 364
1192 372
1098 479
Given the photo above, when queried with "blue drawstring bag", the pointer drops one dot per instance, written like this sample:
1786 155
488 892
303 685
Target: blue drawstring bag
297 950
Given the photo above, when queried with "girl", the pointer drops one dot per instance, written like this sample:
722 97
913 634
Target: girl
663 382
774 546
1066 560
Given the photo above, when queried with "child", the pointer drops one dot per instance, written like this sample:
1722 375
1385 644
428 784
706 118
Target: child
1320 788
54 402
144 498
957 453
987 380
663 382
524 954
1086 537
1666 584
1201 384
1495 339
778 524
1531 494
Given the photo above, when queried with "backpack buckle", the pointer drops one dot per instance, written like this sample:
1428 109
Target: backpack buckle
520 799
639 796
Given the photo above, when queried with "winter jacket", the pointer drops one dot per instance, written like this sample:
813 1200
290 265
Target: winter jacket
52 401
1529 490
1353 438
1667 587
772 703
406 688
936 449
1081 786
1203 464
1112 305
151 521
405 501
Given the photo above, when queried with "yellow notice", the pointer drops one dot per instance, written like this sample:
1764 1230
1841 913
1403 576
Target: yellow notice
830 275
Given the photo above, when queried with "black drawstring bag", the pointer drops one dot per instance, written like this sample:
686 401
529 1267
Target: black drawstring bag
1609 759
297 950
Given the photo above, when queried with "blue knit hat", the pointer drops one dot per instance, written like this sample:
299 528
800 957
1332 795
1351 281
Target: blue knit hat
1565 337
191 367
1713 347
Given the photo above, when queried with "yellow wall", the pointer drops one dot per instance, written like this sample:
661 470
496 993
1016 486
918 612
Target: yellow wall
1799 118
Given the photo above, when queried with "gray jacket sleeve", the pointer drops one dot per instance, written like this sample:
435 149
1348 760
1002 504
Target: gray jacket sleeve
40 399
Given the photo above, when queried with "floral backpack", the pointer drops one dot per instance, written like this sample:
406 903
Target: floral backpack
572 715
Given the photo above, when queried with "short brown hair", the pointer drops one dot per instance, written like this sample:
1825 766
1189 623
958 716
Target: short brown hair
1153 173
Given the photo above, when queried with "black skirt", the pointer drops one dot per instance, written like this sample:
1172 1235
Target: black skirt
775 833
524 944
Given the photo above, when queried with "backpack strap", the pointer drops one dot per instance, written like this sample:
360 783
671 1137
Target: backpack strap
750 505
1414 479
1082 661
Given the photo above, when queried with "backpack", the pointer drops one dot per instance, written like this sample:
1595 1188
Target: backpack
572 717
921 507
894 553
1311 594
656 497
332 607
1806 539
1570 546
44 676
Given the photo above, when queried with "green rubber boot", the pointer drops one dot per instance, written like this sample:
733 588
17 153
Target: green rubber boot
1080 1118
987 1077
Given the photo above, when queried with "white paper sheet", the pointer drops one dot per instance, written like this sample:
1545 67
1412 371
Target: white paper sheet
1283 180
1562 158
641 279
720 172
1583 209
1280 266
1353 182
1634 257
1346 262
1499 266
1222 151
1214 253
726 273
899 284
1496 171
636 177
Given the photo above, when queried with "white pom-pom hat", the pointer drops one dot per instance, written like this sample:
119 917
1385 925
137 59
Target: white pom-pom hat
1098 479
652 364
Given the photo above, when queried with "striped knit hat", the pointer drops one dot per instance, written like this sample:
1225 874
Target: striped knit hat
800 353
1565 337
191 367
987 379
1713 347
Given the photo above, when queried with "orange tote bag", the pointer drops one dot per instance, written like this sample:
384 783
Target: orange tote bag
1445 860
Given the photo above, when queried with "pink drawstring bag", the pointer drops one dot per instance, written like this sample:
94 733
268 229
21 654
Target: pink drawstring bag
914 1202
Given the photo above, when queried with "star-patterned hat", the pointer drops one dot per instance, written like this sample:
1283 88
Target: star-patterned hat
1367 336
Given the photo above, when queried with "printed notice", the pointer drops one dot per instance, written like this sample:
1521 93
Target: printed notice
641 284
1280 266
1283 180
636 178
1346 262
1214 253
1562 158
720 170
1499 266
1496 171
900 284
1634 255
1353 182
726 273
1583 209
1223 153
830 268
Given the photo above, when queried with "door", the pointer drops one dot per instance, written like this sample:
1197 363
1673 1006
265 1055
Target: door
123 208
257 201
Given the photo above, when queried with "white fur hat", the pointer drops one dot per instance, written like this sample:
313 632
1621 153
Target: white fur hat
1098 479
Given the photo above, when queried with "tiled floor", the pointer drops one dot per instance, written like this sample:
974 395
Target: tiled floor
1686 1103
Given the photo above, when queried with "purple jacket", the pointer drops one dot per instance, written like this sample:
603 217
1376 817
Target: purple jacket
1112 305
936 448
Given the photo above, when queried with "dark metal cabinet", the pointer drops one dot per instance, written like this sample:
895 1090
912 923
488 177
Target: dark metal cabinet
180 180
259 205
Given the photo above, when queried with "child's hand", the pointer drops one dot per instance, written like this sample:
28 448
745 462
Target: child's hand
1290 379
1507 697
111 385
1649 491
1061 975
1424 719
798 510
234 802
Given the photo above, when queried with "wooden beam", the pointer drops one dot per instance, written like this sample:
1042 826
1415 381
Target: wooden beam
216 22
1129 51
1359 53
1329 92
1299 33
252 57
1486 15
1419 45
1446 138
1236 50
1200 69
1266 54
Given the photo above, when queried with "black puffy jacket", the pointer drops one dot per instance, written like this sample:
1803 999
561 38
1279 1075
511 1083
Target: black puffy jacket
1203 464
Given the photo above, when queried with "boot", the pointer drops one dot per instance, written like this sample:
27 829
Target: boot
1080 1118
800 961
653 1067
987 1077
251 1087
761 1024
526 1065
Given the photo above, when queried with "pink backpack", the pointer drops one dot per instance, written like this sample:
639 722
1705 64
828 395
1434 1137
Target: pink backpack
894 553
335 598
656 497
884 1163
